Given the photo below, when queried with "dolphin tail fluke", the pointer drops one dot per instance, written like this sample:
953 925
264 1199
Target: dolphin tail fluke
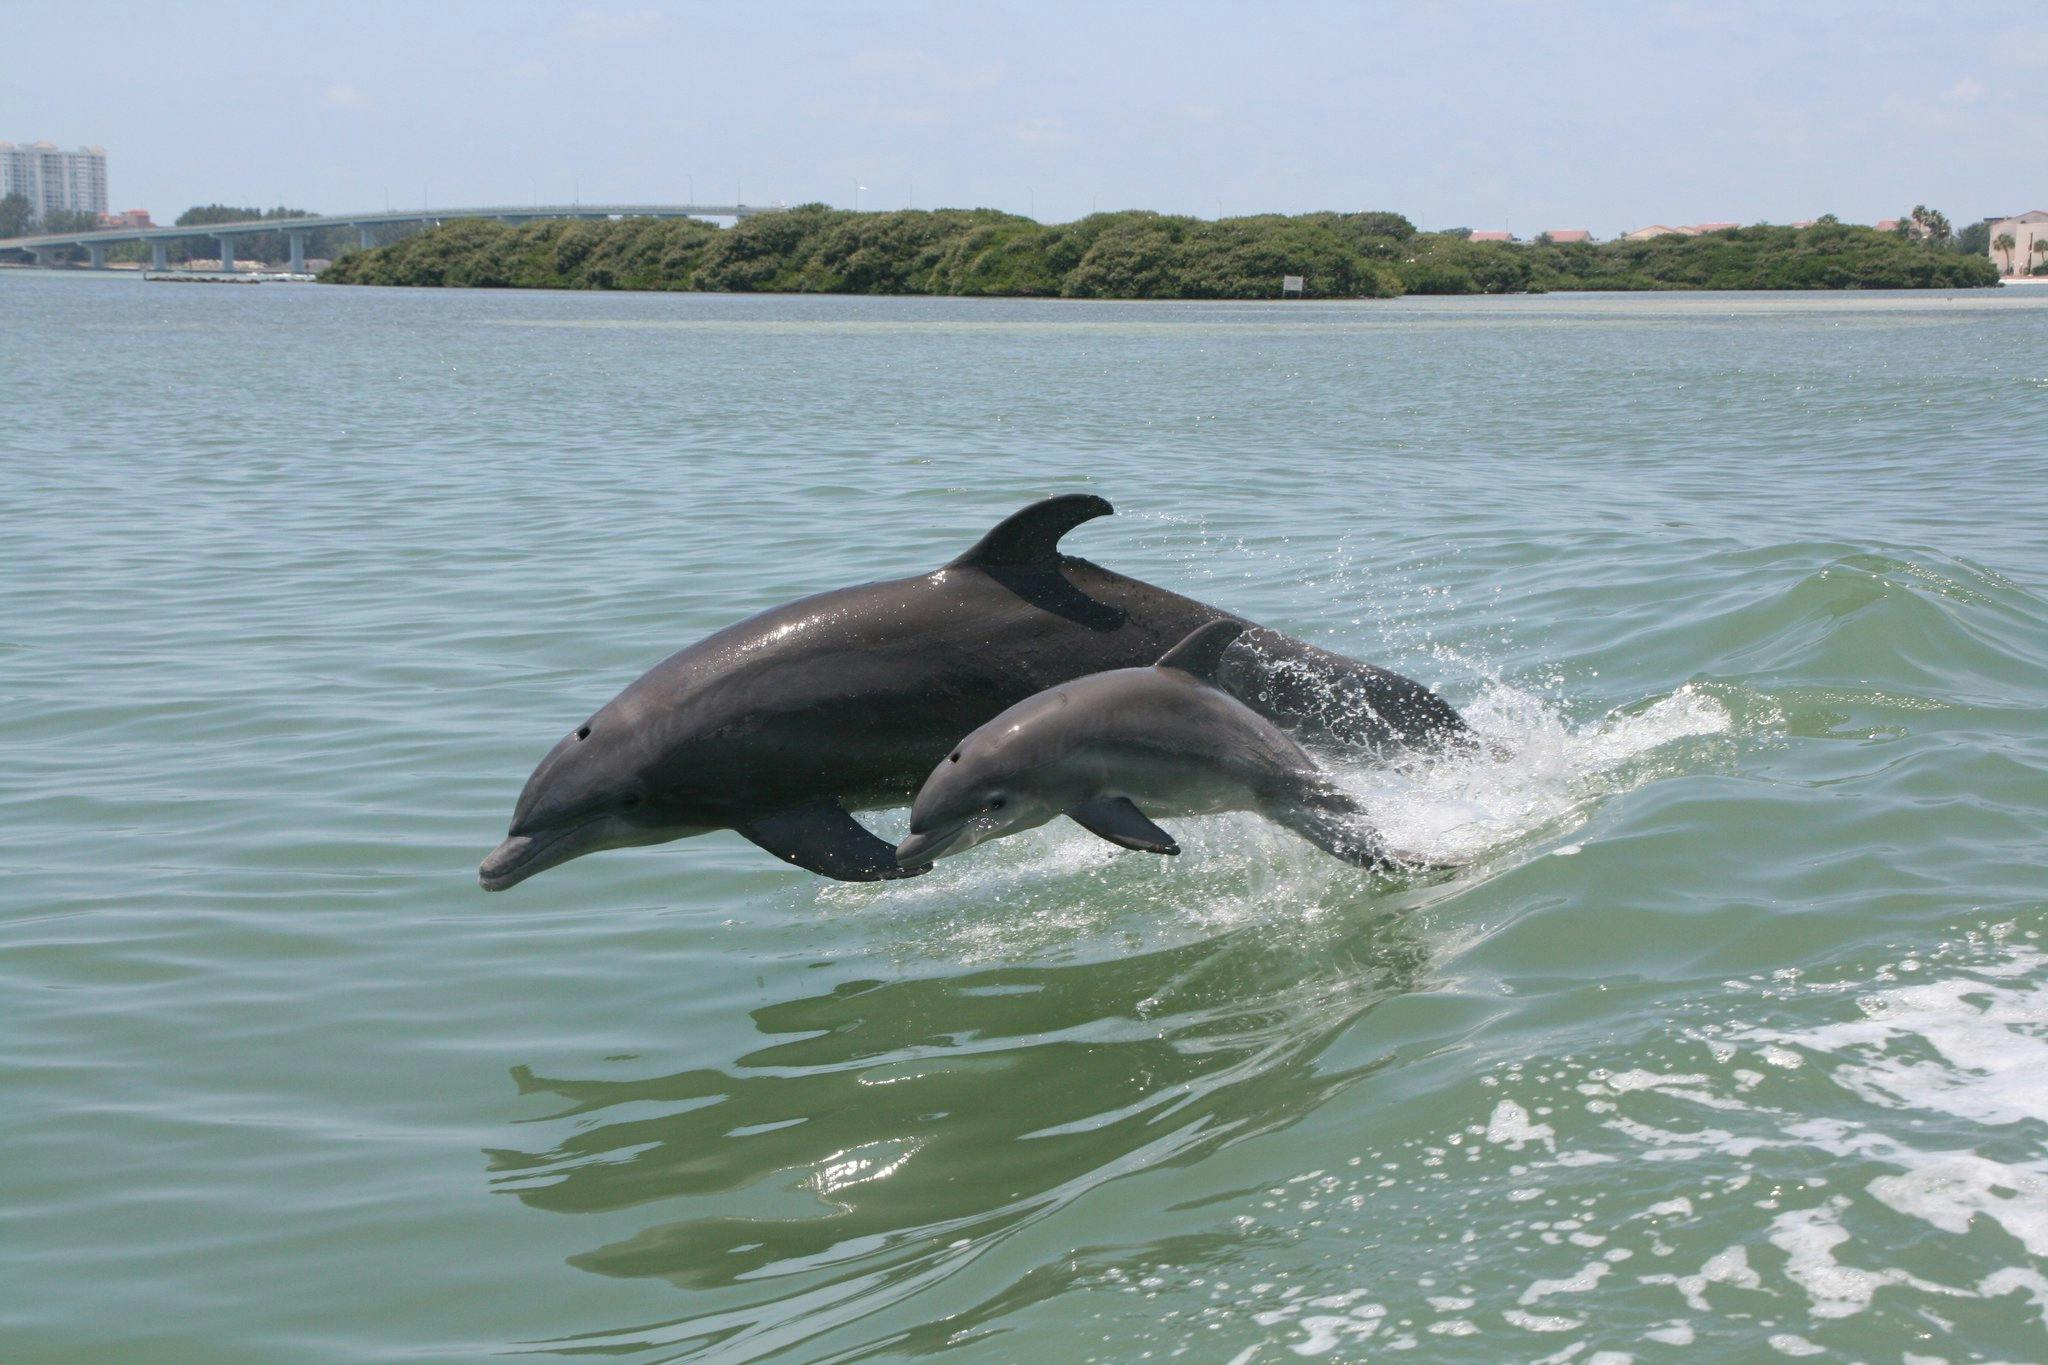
819 836
1031 535
1116 819
1340 826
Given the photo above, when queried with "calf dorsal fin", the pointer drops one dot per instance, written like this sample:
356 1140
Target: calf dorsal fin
1031 535
1202 650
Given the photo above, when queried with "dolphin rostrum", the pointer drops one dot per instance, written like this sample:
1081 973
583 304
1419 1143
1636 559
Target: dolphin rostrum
778 726
1110 750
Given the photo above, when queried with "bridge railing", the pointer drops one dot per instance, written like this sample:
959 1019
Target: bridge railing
96 242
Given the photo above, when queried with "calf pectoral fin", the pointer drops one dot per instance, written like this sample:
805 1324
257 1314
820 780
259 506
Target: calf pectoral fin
1114 818
819 836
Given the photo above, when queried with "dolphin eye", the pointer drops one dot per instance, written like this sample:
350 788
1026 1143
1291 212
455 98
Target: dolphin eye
953 757
996 804
583 732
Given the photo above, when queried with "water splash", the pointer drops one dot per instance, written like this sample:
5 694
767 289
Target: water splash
1534 773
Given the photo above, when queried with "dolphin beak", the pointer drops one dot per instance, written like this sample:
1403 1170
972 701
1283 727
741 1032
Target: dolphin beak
523 855
919 850
507 864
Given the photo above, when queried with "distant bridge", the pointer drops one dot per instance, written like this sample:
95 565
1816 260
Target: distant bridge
96 243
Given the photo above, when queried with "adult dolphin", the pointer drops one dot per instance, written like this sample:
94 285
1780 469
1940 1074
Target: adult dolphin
778 726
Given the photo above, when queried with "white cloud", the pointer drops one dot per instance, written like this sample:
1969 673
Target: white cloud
912 66
343 95
2022 47
1968 90
613 25
1701 17
1042 132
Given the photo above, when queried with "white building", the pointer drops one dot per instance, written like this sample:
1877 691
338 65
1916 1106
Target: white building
54 180
2026 230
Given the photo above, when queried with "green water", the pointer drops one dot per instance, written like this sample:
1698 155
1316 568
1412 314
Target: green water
1735 1040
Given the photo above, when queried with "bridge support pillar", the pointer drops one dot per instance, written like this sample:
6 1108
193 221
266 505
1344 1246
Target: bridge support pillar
43 256
227 252
159 256
97 253
298 241
363 239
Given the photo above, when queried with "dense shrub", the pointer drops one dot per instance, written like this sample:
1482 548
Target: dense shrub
1133 255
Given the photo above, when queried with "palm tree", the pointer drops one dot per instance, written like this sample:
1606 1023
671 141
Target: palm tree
2004 242
2041 250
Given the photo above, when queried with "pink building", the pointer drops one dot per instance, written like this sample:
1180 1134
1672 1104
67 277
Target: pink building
1493 237
1562 235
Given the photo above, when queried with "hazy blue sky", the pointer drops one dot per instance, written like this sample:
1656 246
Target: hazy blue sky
1523 116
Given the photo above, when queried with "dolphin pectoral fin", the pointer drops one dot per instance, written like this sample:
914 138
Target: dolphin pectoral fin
1114 818
1031 535
819 836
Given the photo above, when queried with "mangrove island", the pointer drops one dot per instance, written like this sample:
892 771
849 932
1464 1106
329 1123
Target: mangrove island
813 249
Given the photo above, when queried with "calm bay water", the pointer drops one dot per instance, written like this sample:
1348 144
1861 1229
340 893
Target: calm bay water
1736 1037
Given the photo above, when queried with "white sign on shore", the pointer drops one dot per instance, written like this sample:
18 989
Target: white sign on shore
1291 284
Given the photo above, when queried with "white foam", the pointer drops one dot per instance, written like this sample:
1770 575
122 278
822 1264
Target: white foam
1948 1189
1808 1237
1583 1282
1993 1060
1510 1126
1540 1322
1728 1267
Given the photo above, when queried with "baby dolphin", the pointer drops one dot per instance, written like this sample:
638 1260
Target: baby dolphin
1105 749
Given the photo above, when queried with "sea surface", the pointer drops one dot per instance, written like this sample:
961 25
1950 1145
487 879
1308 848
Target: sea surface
1731 1043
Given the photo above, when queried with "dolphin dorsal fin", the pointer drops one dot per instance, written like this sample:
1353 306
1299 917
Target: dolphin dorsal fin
1032 534
1202 650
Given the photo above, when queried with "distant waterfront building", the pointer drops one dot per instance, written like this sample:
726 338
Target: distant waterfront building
127 218
1563 235
1644 234
54 180
1697 228
2028 231
1493 237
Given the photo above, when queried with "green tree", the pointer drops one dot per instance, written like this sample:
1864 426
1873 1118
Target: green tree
2004 242
2041 250
68 220
16 213
1931 224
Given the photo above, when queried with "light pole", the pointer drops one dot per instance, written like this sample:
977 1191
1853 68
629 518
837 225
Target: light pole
857 188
